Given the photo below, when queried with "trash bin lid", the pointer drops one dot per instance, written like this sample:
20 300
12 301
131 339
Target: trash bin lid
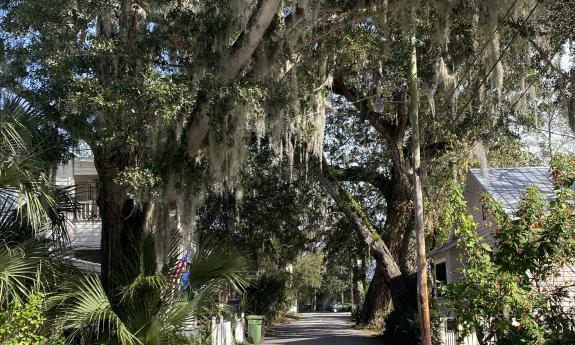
255 317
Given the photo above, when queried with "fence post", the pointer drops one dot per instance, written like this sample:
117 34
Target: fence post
214 332
222 333
239 329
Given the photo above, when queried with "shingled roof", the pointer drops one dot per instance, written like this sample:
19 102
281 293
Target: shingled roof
507 184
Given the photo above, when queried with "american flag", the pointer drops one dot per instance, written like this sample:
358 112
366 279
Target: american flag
179 273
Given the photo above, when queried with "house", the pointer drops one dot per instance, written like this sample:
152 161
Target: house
85 230
505 185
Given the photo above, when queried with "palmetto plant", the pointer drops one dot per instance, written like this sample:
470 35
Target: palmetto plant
149 308
29 151
152 308
29 203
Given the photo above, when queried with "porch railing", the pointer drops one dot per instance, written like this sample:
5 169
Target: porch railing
87 210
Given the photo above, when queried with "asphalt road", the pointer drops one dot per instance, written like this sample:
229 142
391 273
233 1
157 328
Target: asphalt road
320 329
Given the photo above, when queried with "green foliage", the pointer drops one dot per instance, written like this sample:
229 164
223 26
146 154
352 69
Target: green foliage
268 295
402 327
307 276
29 151
343 248
139 182
271 217
23 323
19 269
506 293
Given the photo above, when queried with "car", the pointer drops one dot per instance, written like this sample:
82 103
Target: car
336 307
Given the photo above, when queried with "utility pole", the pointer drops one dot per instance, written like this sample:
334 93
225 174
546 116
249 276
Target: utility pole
422 291
351 301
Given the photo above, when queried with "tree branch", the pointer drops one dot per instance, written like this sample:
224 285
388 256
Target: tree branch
527 34
250 39
340 88
354 212
361 174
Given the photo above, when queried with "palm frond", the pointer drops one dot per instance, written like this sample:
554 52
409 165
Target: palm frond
214 266
24 166
10 136
141 274
14 132
19 267
85 308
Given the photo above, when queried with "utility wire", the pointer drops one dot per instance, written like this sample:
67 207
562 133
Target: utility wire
505 50
547 65
478 55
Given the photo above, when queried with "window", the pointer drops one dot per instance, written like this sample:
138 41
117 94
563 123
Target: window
440 275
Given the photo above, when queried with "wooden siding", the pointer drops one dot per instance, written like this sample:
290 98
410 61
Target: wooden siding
485 222
83 234
84 167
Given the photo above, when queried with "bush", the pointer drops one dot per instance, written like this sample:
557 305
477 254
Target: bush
23 323
510 292
402 327
268 296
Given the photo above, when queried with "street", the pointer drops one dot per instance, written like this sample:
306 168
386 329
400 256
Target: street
318 329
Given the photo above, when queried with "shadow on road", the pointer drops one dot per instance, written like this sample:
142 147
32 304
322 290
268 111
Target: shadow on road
320 329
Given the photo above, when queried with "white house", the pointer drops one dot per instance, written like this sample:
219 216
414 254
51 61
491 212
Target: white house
86 228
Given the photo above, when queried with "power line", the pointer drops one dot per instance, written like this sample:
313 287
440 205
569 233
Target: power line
492 36
498 60
542 130
547 65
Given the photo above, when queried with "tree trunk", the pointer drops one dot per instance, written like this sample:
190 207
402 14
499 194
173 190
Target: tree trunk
377 304
351 284
123 220
399 223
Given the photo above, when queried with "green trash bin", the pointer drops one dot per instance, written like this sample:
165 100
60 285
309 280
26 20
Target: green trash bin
255 328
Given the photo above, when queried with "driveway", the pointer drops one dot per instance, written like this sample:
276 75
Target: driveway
320 329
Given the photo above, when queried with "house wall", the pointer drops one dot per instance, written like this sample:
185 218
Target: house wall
83 234
454 263
485 227
486 224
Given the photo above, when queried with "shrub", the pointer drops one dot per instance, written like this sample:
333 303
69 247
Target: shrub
402 327
509 292
23 323
268 296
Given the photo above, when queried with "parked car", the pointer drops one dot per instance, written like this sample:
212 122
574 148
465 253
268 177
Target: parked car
336 307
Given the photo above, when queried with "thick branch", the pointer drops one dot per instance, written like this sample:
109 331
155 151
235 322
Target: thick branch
250 39
361 174
240 56
354 212
340 88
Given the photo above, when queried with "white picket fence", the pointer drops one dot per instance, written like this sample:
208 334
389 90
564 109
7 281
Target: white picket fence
449 334
222 333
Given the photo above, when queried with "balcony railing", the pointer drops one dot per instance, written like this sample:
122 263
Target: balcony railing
87 210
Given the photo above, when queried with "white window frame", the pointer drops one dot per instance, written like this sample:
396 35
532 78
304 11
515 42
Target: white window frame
447 273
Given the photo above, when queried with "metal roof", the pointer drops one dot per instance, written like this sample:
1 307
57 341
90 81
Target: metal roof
507 184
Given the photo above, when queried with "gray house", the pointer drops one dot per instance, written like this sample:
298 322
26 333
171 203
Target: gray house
506 185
